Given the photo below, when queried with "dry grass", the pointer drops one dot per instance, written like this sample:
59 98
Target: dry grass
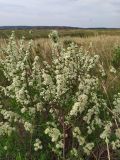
102 45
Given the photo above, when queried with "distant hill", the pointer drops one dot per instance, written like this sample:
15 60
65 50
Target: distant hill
45 27
35 27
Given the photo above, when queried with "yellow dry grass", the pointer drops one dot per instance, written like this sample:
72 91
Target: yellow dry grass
102 45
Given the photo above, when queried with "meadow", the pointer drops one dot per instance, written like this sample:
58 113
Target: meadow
60 94
43 33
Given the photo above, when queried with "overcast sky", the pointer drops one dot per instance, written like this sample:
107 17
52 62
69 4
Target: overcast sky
79 13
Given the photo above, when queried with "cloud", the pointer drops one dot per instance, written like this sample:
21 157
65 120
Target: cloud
82 13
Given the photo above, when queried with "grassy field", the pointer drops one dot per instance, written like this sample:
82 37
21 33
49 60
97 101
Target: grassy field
43 33
25 144
100 41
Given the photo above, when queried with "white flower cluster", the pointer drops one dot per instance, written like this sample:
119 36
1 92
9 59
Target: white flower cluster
6 129
37 145
112 69
79 106
10 116
74 152
77 134
87 147
107 131
55 135
28 127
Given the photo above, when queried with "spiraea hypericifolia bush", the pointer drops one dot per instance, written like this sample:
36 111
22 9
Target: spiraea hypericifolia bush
56 108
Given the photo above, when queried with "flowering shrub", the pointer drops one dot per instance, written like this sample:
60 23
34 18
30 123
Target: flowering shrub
56 109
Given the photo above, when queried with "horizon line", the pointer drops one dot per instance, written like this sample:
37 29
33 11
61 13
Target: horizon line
60 26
